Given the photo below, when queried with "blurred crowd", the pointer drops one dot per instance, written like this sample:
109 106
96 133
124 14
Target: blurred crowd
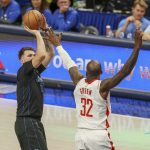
62 15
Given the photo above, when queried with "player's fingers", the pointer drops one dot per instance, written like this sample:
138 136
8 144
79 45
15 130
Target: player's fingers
49 32
27 29
46 38
46 34
52 31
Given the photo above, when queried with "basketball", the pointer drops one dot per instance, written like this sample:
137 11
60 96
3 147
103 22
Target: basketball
33 19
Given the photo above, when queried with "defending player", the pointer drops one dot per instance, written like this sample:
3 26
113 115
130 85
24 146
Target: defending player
92 96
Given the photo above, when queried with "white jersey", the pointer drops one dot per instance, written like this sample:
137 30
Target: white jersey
92 109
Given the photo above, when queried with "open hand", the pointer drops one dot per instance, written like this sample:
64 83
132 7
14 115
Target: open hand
52 37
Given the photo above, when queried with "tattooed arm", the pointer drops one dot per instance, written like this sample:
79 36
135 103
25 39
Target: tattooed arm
109 83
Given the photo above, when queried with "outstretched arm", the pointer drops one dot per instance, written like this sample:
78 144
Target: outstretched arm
68 62
49 51
75 75
109 83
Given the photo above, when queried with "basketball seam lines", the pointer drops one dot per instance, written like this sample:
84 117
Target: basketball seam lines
39 19
29 21
36 18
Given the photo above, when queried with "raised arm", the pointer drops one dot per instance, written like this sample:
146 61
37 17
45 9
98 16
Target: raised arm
109 83
49 51
75 75
68 62
40 54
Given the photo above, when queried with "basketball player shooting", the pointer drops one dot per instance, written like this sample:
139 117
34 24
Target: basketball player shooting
92 96
28 126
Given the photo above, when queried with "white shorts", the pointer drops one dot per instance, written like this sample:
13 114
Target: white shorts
93 140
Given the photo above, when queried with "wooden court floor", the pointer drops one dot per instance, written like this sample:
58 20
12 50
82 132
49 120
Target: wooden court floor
128 133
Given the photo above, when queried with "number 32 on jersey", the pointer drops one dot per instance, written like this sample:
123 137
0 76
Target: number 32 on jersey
87 105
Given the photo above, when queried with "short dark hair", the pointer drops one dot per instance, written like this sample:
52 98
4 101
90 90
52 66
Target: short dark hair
22 50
